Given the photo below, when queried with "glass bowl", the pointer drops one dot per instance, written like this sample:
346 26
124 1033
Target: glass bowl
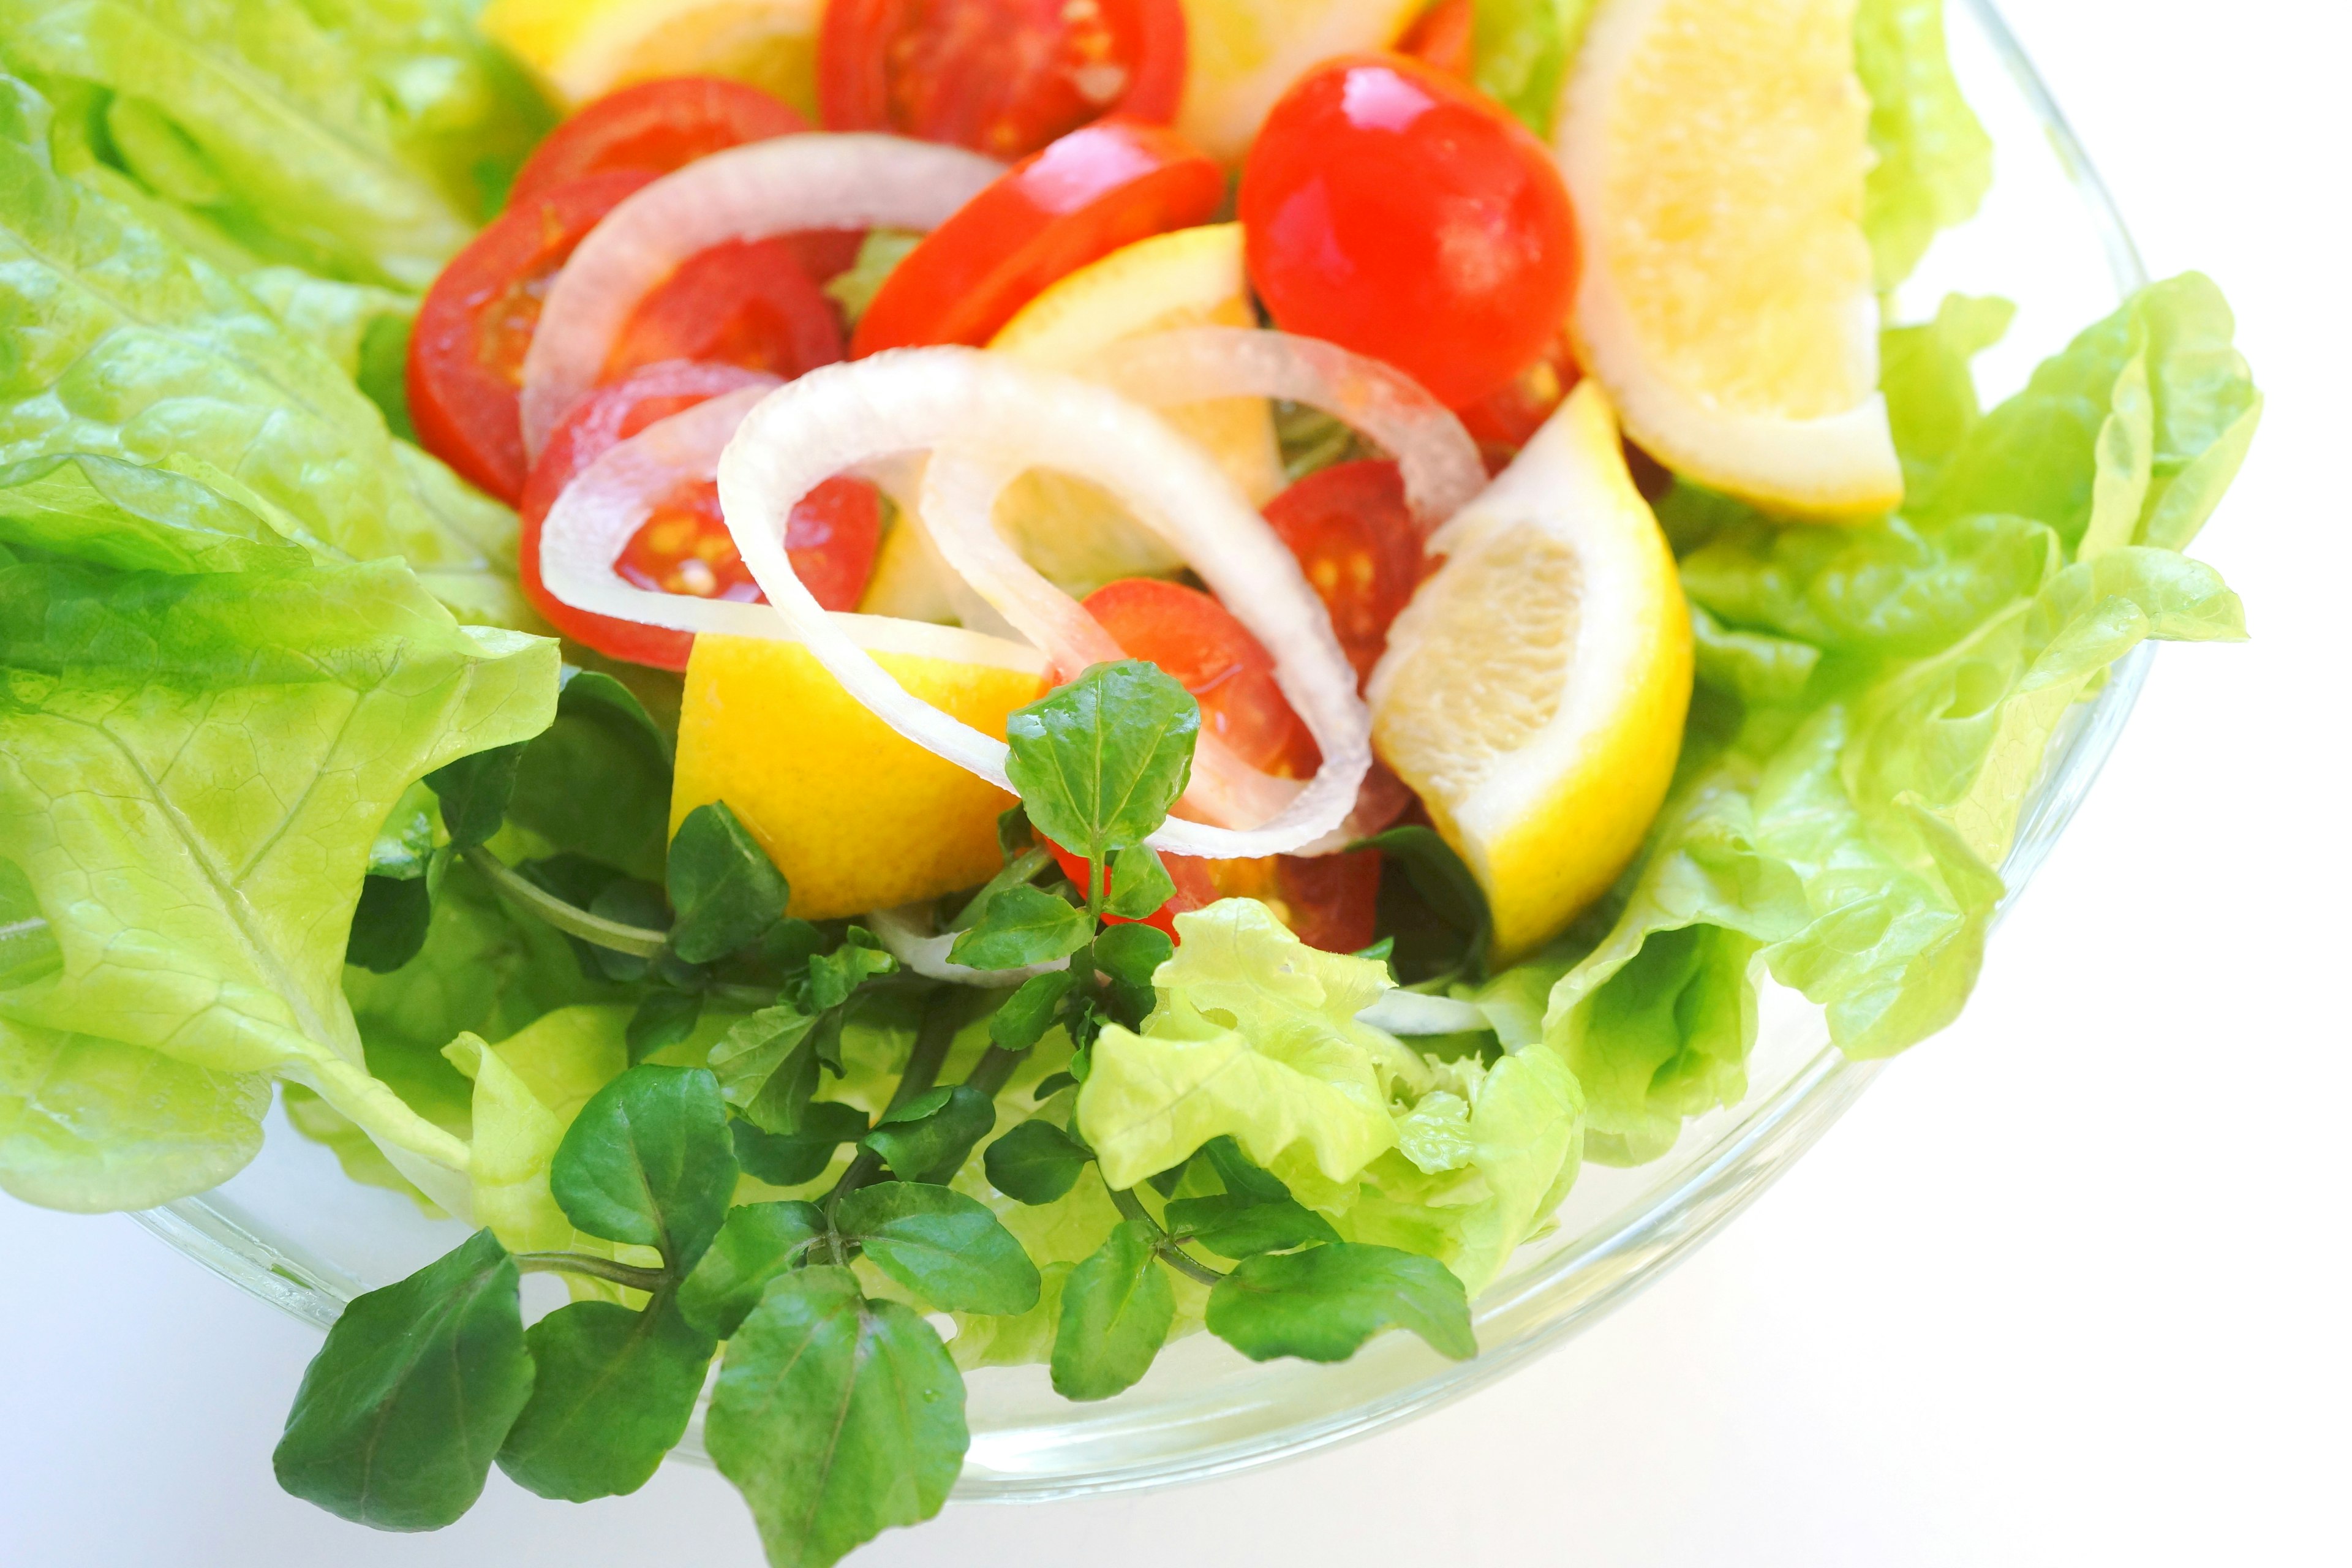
293 1231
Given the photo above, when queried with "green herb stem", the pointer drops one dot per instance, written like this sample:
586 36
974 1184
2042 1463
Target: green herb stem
942 1017
564 916
646 1279
994 1067
1131 1207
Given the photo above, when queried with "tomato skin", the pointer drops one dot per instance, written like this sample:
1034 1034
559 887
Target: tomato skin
1507 417
1097 189
1397 212
655 125
999 77
1353 534
1212 655
742 303
1446 36
465 353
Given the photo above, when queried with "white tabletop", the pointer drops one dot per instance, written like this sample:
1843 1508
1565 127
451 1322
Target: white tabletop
2067 1285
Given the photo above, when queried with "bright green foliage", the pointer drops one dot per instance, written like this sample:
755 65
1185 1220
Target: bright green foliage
1022 925
614 1392
942 1246
602 732
929 1137
1932 161
721 883
758 1242
1035 1163
1139 883
837 1417
1519 53
648 1160
1029 1012
1241 1227
1323 1303
1116 1309
402 1409
787 1162
1099 762
474 792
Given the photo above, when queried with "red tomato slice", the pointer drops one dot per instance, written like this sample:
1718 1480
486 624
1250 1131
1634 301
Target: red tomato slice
1396 211
1196 887
1094 190
684 547
999 77
657 126
1502 421
465 356
1353 535
1446 36
744 302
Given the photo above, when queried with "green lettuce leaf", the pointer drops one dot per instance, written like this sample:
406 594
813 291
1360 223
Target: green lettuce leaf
1933 162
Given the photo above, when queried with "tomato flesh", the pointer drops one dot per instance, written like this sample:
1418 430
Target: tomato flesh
474 324
1507 417
1098 188
1394 210
656 126
999 77
746 304
1353 534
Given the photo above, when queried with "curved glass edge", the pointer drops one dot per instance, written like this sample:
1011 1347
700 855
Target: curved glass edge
1529 1314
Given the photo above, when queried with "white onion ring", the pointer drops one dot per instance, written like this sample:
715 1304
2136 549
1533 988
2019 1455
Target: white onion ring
812 180
1434 455
857 413
902 932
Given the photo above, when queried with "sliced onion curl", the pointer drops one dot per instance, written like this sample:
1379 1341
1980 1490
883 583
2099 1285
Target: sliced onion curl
986 417
906 934
1435 456
749 192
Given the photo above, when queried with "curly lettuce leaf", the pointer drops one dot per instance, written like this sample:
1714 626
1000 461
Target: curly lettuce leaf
1933 162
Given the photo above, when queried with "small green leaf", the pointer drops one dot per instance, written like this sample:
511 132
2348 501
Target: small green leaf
634 903
1131 954
648 1160
1116 1309
726 890
787 1161
1444 884
758 1242
475 793
601 732
933 1132
1139 884
1242 1178
1243 1228
766 1066
1022 925
612 1395
589 693
400 1412
833 977
1322 1304
662 1019
1099 762
1035 1163
388 929
1052 1084
836 1417
1014 834
942 1246
1025 1016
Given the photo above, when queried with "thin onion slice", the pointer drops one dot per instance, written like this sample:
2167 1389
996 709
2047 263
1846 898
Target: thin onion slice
906 934
1417 1013
749 192
858 412
1434 455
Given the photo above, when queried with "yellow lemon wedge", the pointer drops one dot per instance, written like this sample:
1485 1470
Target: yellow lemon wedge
856 815
585 48
1242 55
1533 692
1714 151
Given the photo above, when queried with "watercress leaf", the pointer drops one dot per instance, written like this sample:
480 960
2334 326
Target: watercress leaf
833 976
836 1417
766 1066
1323 1303
1243 1228
758 1242
944 1247
934 1131
613 1393
474 792
400 1412
1035 1163
1131 954
1099 762
389 926
1243 1176
631 902
787 1160
1117 1310
726 890
1014 834
662 1019
1444 882
1139 884
601 732
1022 925
1029 1012
648 1160
1164 1182
1052 1084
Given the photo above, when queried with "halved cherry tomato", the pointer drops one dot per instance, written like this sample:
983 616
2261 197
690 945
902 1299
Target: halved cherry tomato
1398 211
1445 35
742 302
999 77
465 356
1097 189
684 547
1328 900
1352 532
1196 888
1502 421
656 126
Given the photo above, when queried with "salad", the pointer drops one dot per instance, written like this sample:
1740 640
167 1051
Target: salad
907 688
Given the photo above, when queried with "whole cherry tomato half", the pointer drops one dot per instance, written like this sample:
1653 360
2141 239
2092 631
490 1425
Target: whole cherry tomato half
1101 187
684 547
745 302
999 77
465 355
1353 535
1393 209
656 126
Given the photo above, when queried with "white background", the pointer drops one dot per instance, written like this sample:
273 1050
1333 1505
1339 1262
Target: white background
2067 1287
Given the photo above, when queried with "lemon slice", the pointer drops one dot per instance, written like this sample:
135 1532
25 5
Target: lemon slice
586 48
1242 55
856 815
1533 692
1714 151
